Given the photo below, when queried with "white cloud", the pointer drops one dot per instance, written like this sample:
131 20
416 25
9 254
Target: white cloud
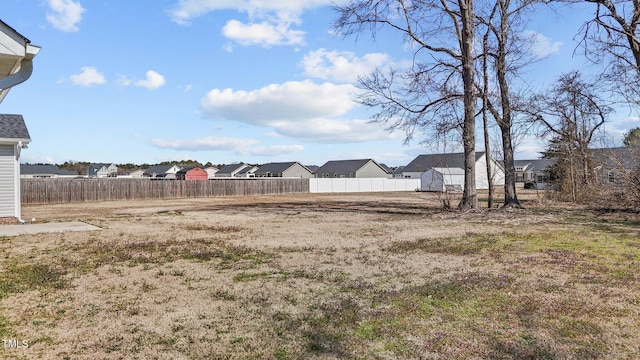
290 101
152 82
540 45
88 77
265 33
341 66
303 110
206 143
617 130
240 146
65 15
124 81
270 22
273 150
185 10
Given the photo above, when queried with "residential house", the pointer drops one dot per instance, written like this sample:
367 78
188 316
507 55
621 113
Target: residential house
611 165
247 172
312 168
362 168
14 137
16 66
102 170
532 170
445 172
42 171
192 173
134 174
397 172
211 172
231 170
161 172
284 169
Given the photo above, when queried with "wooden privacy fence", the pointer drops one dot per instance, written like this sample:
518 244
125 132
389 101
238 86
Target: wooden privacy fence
78 190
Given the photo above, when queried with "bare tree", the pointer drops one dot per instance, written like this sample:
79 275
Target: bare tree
504 49
613 37
572 113
440 82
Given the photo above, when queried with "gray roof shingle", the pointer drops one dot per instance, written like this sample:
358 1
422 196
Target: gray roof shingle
13 127
44 169
275 168
343 166
423 163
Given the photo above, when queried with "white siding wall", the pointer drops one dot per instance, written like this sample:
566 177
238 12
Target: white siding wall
481 174
7 181
371 170
331 185
297 170
431 180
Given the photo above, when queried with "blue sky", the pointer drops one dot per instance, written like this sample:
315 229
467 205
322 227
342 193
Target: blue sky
223 81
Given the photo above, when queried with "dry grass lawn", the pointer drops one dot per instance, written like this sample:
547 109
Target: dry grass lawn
355 276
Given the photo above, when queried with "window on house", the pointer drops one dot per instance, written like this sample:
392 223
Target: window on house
611 176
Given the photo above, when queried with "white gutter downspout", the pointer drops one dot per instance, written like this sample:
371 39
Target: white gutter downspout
18 198
26 69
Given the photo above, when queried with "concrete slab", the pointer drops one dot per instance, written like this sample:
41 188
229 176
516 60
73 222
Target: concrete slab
30 228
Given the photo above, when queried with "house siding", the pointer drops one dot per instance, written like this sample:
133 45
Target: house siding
7 181
371 170
297 170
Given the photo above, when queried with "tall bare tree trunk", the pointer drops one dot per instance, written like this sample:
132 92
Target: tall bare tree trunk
485 120
469 195
505 122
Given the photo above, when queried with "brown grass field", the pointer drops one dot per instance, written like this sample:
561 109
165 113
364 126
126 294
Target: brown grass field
349 276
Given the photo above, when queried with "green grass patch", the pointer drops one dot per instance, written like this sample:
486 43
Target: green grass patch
18 278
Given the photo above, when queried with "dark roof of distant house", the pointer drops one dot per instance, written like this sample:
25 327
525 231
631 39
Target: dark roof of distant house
535 164
157 169
312 168
386 168
398 170
614 157
13 127
187 169
276 168
247 169
230 169
344 166
95 167
44 169
423 163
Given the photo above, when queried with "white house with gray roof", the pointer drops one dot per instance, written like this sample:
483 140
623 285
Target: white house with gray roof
361 168
16 55
532 170
102 170
161 172
284 169
231 170
45 171
445 172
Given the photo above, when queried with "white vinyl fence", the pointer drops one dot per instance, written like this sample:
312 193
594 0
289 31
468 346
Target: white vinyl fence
336 185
